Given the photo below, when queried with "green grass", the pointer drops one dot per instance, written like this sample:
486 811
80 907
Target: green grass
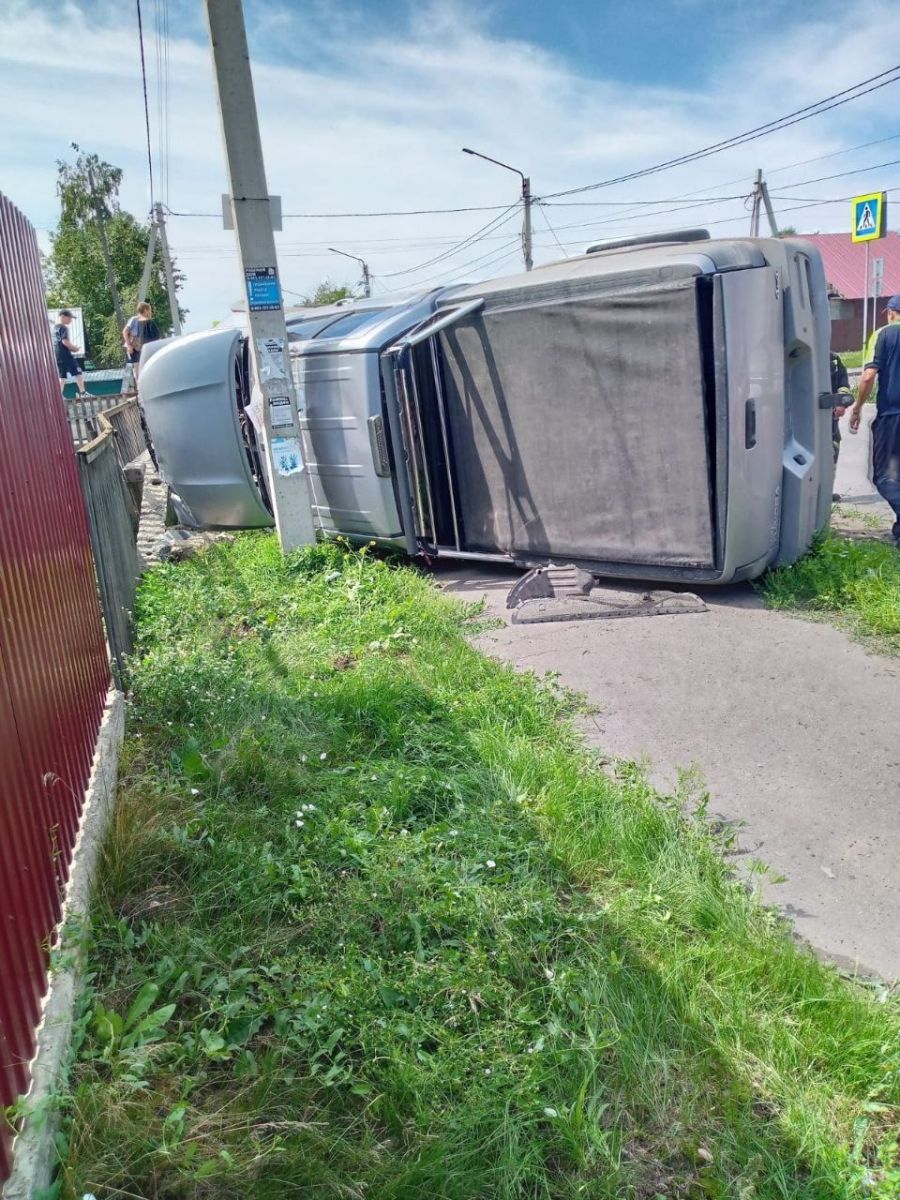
853 581
852 358
373 925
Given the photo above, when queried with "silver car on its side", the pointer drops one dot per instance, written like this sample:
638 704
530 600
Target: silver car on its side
655 410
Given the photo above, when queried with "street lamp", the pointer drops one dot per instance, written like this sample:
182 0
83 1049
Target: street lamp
366 277
526 200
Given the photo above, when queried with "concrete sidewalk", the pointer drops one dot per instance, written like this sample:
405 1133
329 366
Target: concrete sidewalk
791 724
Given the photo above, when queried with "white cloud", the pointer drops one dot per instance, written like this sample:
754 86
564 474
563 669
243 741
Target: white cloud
361 118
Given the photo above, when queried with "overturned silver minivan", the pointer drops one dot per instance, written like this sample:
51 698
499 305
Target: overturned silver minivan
646 410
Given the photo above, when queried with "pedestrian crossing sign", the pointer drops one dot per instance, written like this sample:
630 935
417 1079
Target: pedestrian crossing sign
869 217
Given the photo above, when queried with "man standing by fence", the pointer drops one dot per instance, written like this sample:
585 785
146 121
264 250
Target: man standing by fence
66 362
139 330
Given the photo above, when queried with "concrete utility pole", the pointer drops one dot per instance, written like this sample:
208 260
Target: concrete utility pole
527 201
526 222
760 198
366 274
148 262
104 246
160 226
288 485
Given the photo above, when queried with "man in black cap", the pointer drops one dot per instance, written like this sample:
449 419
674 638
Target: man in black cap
66 362
885 367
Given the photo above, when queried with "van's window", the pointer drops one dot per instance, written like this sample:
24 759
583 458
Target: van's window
301 331
351 323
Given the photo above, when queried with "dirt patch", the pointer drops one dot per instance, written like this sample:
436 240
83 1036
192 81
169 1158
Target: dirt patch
850 522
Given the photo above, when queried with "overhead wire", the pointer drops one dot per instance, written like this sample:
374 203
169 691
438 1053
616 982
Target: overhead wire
146 100
493 258
841 174
505 213
161 33
835 100
552 230
503 219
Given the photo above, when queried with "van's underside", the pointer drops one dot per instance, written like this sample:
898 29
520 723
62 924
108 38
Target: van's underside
585 429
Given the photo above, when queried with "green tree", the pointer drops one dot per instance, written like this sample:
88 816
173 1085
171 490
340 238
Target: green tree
329 293
76 273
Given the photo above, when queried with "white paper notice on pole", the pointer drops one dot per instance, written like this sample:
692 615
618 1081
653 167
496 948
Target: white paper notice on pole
254 409
271 358
286 453
280 414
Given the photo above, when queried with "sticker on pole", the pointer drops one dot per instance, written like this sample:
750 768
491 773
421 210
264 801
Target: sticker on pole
869 217
263 289
271 358
286 453
280 414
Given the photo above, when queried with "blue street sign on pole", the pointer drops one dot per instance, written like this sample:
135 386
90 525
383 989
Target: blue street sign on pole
869 217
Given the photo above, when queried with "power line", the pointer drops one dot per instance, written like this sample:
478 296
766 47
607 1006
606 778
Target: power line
425 212
552 230
891 137
622 217
493 257
400 212
792 118
841 175
161 34
505 217
146 101
637 203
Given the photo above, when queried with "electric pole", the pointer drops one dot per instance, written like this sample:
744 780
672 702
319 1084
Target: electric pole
526 222
160 227
366 274
148 262
760 198
288 487
527 201
104 244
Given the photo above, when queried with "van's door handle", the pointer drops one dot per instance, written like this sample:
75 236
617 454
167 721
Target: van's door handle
750 424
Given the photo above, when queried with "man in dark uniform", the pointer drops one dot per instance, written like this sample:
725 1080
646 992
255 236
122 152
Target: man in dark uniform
885 367
65 348
840 382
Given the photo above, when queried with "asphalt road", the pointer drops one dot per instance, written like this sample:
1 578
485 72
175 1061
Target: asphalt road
794 728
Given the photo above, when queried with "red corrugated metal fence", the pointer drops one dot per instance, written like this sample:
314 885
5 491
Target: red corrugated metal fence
53 665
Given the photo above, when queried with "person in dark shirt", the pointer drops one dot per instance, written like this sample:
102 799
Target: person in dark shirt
139 330
65 350
885 367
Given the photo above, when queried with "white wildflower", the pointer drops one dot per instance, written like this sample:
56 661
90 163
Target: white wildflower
323 756
487 1071
454 833
490 864
549 974
550 1112
195 791
299 824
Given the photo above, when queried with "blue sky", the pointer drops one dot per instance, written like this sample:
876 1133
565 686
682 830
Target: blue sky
365 107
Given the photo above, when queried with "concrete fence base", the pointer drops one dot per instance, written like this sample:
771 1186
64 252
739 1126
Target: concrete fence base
33 1150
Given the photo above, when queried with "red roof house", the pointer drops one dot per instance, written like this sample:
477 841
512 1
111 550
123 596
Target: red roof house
845 270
